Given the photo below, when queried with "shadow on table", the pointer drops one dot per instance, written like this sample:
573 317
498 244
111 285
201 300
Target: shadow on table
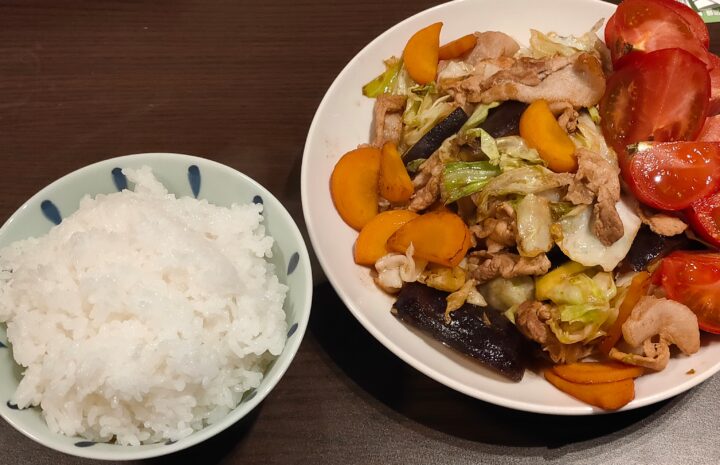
410 394
214 449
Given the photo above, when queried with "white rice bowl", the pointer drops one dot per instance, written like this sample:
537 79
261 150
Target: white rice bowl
142 317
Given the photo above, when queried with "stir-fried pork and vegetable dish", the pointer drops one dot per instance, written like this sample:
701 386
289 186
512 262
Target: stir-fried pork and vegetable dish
560 199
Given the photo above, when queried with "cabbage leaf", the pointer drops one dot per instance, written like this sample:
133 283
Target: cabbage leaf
394 80
534 220
463 178
478 116
551 44
582 298
502 293
531 179
423 110
574 235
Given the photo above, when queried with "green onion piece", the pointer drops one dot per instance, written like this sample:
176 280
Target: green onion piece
384 83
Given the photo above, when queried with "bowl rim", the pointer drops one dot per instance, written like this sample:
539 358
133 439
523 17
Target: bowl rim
305 180
268 383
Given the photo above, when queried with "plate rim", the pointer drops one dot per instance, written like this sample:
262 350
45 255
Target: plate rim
408 358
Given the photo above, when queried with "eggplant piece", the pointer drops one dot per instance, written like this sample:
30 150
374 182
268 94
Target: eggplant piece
649 246
433 139
504 120
483 333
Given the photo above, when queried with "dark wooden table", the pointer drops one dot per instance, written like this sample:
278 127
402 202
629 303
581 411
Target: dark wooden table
238 81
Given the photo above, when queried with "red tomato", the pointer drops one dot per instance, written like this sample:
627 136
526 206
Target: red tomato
693 278
711 129
697 25
704 217
629 59
673 175
714 107
649 99
649 25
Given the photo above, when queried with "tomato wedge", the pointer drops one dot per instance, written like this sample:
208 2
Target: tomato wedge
693 278
704 217
628 59
697 25
649 98
673 175
714 107
649 25
711 129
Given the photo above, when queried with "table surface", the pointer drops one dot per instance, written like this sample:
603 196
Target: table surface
84 81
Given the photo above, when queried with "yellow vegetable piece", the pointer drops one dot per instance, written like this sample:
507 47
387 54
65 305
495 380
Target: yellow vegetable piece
438 237
597 372
395 184
444 278
638 288
421 54
370 244
457 47
608 396
544 285
354 186
542 132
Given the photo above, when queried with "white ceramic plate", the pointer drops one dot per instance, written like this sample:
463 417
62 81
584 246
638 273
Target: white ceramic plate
343 121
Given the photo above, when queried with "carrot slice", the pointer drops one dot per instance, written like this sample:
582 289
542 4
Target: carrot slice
457 47
421 54
597 372
439 205
395 183
638 287
439 237
371 243
542 132
608 396
354 186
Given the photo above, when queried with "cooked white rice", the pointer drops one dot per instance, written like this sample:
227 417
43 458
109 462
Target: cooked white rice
142 316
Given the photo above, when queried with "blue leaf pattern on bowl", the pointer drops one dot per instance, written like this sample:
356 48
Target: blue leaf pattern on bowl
293 263
257 199
85 443
292 330
119 179
194 179
51 212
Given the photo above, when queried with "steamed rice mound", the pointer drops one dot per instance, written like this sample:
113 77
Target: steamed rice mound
142 317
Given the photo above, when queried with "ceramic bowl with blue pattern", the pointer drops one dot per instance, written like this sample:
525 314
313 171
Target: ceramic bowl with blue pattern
182 175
